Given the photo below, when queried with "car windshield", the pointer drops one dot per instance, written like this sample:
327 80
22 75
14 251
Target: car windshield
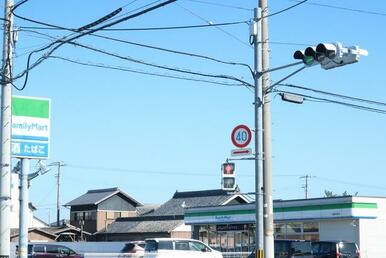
347 248
301 248
127 248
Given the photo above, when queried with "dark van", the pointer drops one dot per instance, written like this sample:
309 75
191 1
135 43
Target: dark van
50 251
335 249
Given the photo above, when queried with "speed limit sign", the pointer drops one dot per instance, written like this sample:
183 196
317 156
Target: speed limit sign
241 136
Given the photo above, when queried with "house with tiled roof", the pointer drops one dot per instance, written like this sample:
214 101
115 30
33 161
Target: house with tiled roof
168 219
63 233
96 209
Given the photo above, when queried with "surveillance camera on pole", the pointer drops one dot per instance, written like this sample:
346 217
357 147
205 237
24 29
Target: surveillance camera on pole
330 55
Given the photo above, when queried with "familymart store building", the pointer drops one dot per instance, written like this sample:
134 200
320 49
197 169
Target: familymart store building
357 219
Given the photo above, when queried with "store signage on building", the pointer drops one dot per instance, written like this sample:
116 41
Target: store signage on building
30 127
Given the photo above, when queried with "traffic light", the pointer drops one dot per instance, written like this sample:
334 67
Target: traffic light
329 55
228 180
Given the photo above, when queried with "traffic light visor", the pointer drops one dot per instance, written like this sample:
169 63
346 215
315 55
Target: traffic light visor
328 49
298 54
310 51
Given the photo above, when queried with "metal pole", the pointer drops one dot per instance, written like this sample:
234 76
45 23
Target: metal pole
23 210
267 143
6 122
258 135
58 196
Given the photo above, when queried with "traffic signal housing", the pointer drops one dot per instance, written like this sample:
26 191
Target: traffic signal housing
329 55
228 179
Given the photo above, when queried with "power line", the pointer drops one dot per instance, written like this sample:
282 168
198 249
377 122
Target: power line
350 183
143 72
221 5
289 43
158 48
68 40
286 9
130 3
35 21
154 28
345 8
174 51
137 9
140 171
310 98
218 28
333 94
180 70
146 72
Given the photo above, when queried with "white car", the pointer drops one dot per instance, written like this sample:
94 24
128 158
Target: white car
178 248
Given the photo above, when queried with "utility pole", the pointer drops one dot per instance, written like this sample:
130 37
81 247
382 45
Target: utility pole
255 33
305 186
267 142
23 209
6 123
59 164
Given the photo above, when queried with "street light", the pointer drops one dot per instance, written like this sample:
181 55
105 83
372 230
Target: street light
22 168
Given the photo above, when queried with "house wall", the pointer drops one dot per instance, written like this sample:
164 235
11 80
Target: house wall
103 214
130 236
182 231
116 203
373 233
35 237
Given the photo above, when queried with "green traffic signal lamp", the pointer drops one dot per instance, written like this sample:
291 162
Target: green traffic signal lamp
307 60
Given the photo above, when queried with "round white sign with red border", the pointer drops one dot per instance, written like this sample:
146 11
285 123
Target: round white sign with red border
241 136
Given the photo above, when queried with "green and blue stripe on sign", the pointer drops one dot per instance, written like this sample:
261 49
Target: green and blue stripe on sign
294 212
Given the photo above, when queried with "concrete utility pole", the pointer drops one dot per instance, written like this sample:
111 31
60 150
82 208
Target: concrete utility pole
6 123
267 143
255 33
59 164
23 209
305 186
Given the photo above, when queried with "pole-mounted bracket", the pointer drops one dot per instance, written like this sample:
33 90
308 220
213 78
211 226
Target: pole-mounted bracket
5 198
259 102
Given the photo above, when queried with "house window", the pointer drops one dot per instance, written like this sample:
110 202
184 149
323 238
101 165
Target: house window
82 215
109 215
74 216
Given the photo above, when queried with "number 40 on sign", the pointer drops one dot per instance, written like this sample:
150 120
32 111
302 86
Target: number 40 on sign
241 136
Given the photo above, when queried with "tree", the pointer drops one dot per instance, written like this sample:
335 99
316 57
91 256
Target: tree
329 194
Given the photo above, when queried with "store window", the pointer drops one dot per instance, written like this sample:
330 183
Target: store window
228 237
297 230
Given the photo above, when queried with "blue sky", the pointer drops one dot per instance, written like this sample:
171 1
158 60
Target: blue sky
151 136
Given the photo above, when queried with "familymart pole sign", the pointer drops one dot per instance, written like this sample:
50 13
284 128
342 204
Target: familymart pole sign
30 127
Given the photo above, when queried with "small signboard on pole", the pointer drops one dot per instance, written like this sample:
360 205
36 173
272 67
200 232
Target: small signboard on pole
241 137
241 152
31 127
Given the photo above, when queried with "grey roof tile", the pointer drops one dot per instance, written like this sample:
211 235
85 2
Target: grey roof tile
96 196
143 226
181 200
